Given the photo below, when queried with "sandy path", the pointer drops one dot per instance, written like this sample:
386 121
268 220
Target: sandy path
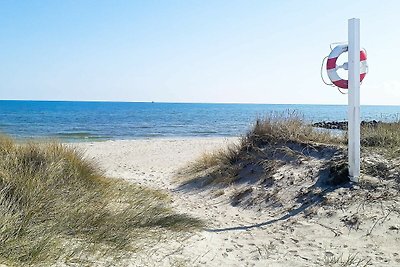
291 242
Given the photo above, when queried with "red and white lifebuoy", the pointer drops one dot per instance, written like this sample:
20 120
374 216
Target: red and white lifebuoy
332 68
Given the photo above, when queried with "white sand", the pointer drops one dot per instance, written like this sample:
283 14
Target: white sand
296 241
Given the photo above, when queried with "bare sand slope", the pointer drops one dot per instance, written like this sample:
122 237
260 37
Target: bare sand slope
246 237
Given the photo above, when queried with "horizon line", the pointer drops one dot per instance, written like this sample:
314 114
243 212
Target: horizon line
167 102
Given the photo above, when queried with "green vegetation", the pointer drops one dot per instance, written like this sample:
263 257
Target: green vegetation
55 206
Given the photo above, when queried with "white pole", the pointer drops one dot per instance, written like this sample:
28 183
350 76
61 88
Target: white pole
354 99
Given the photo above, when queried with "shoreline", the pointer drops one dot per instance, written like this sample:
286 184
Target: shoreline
95 140
160 138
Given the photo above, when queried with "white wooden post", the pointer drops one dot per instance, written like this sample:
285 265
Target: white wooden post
354 99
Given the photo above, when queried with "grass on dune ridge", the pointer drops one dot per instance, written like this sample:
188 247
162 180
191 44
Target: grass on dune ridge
276 132
283 135
56 206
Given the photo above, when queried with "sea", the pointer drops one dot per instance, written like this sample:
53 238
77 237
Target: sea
97 121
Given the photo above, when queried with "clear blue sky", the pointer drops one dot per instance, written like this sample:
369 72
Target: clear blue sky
191 51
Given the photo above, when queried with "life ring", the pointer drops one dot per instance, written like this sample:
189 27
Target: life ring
332 68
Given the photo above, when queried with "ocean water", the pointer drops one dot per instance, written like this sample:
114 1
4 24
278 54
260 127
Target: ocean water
77 121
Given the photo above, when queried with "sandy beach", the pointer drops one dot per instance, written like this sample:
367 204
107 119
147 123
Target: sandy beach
176 134
236 236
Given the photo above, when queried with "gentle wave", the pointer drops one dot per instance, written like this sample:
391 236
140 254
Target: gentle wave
80 136
204 132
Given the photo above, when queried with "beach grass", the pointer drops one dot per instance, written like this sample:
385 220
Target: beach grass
382 136
272 137
57 207
284 135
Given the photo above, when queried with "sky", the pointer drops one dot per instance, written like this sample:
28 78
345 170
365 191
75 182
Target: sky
214 51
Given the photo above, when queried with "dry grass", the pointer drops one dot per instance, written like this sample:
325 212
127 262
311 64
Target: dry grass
57 207
275 137
280 136
288 128
350 260
382 136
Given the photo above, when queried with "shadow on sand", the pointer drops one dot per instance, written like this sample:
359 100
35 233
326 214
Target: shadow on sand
324 182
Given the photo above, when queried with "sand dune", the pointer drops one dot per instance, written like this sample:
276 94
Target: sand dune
236 236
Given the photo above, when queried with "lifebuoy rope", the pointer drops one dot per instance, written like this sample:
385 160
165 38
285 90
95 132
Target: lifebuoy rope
329 84
322 76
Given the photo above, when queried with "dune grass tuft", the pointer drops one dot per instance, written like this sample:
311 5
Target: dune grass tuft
55 206
270 138
288 128
284 135
383 135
